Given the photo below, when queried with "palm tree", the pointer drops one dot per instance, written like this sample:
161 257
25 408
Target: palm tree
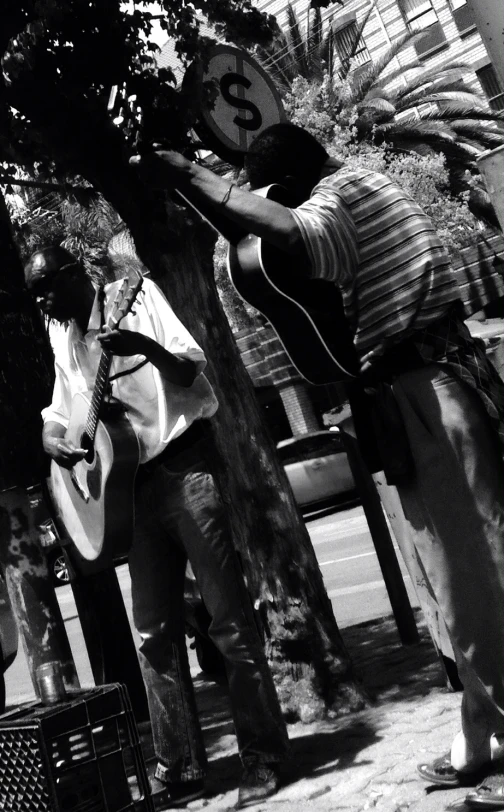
434 110
311 53
296 52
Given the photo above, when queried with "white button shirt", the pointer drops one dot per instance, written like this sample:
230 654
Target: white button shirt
158 410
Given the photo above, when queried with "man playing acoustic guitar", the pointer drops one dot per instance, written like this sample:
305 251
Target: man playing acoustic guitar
157 375
433 397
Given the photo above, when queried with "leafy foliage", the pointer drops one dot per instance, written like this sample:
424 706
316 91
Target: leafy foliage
60 61
410 108
425 177
80 220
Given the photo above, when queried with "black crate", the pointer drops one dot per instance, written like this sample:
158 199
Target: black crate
82 755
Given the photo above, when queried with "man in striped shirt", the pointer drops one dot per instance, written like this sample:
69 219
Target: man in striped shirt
364 233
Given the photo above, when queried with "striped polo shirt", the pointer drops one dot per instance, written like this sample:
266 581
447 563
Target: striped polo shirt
367 235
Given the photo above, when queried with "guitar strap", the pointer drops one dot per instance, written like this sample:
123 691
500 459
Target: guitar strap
128 371
101 305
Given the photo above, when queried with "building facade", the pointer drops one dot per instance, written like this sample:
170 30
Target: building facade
449 27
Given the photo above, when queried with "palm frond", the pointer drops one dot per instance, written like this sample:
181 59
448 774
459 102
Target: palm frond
430 75
417 130
297 42
314 38
476 145
314 32
370 76
457 112
326 51
345 69
384 81
416 99
480 135
380 104
457 154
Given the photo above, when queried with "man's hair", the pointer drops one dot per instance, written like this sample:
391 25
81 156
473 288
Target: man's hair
50 260
282 150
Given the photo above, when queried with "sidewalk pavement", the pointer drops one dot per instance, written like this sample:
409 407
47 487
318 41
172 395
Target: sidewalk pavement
363 761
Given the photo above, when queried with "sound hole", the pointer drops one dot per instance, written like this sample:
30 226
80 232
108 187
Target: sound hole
94 479
87 443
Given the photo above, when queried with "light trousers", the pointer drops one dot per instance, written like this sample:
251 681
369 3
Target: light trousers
455 507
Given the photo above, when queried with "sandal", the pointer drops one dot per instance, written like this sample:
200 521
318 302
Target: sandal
441 772
489 794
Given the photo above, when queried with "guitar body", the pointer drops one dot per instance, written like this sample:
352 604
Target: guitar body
307 315
94 500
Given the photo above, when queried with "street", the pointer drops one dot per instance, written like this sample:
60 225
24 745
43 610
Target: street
351 572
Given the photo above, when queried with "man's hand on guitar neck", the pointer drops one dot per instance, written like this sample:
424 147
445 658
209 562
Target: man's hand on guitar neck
175 368
61 450
123 342
254 214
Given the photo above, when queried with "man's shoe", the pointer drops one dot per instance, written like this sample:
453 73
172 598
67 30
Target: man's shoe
175 794
258 783
441 772
487 795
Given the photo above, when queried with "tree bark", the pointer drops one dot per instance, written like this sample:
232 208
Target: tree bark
25 370
25 387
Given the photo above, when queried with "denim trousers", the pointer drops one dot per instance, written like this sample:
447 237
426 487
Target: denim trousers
179 517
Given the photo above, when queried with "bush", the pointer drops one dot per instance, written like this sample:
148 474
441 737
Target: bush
424 177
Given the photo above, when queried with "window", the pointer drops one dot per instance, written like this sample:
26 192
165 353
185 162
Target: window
419 14
491 87
345 41
463 16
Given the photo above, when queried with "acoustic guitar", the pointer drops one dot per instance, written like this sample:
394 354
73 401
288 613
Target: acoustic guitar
94 499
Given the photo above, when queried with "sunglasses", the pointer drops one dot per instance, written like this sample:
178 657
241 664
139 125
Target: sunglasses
45 284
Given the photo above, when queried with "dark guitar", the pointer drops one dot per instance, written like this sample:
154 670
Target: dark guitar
307 315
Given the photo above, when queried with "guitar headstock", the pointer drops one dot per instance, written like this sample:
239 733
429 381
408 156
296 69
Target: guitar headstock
125 297
126 114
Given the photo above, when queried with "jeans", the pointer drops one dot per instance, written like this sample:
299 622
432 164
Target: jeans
179 516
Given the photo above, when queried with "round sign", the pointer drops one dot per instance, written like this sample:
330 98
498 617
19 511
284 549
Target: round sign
246 104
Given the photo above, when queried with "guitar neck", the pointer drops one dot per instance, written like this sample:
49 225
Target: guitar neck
99 392
218 221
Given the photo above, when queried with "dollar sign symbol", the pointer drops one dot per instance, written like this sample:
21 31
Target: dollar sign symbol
227 81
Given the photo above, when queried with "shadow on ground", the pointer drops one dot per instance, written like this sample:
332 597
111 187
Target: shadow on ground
389 670
316 753
392 674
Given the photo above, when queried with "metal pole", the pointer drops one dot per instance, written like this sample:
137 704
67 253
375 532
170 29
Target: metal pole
107 634
30 589
384 546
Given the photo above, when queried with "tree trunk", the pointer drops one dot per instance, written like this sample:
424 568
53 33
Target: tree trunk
25 370
312 669
25 387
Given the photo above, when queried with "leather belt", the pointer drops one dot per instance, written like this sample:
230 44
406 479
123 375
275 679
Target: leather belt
185 441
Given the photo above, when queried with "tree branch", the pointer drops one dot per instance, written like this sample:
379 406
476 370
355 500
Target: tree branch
35 184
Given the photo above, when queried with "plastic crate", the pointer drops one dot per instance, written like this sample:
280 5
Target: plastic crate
82 755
